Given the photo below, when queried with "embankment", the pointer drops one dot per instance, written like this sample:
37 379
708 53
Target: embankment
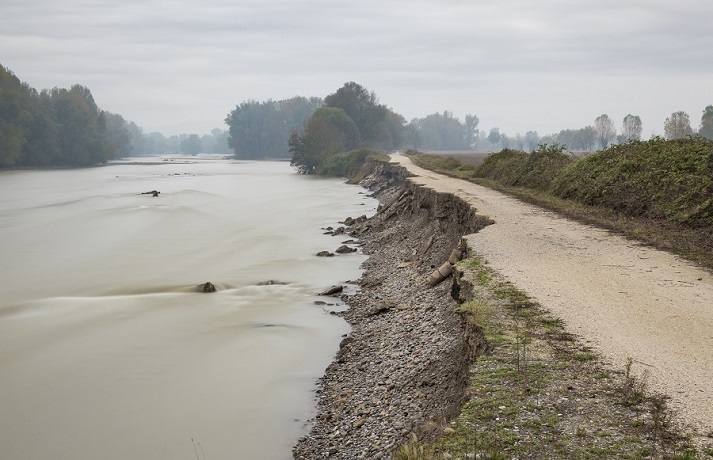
404 367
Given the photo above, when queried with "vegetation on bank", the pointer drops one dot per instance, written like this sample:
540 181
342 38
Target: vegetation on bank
657 191
540 392
339 136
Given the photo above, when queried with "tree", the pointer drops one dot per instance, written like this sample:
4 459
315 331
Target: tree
471 130
585 138
259 130
494 136
532 140
81 127
442 131
677 126
706 128
191 145
605 130
328 131
379 127
117 136
631 128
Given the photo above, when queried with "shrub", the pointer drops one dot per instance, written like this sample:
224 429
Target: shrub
503 166
659 179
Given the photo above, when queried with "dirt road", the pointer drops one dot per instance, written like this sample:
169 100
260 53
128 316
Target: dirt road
627 299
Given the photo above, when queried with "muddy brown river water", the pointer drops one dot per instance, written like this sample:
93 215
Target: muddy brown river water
107 351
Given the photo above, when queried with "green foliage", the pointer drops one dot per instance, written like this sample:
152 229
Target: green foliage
659 179
351 119
542 167
379 127
56 127
536 170
345 164
261 130
503 166
706 128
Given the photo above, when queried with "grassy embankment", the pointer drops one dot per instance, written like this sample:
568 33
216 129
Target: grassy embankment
659 191
541 392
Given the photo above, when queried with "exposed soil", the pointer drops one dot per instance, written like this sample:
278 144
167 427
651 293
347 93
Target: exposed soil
404 367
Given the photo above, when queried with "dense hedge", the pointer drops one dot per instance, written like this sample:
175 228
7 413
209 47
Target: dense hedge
536 170
659 179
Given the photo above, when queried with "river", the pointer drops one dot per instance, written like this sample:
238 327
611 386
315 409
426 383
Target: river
107 350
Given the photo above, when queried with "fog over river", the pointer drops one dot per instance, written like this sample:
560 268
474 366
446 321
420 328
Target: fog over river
106 349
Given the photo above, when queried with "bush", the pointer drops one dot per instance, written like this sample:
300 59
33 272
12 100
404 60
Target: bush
658 179
345 164
542 167
503 166
535 170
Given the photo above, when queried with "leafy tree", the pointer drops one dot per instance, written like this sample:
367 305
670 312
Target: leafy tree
261 129
379 127
117 136
585 139
494 136
191 145
706 128
442 131
604 127
631 128
677 126
471 130
328 131
81 127
532 140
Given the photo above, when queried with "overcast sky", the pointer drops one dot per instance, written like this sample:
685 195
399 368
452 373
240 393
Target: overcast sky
520 65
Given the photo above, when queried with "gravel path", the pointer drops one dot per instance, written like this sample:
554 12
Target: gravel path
627 299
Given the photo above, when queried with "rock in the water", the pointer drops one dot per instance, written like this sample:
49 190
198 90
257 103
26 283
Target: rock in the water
325 254
344 249
333 290
152 193
349 221
207 287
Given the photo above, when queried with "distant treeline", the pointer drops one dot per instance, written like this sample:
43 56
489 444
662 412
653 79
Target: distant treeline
351 118
55 127
262 129
65 127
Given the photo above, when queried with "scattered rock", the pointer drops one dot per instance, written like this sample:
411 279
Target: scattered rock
406 360
333 290
152 193
344 249
207 287
325 254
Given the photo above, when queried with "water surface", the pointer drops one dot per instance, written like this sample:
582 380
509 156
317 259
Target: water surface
107 351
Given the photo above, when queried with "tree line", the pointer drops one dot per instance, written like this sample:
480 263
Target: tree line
66 127
55 127
264 129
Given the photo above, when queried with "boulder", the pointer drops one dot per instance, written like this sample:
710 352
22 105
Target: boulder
344 249
207 287
325 254
333 290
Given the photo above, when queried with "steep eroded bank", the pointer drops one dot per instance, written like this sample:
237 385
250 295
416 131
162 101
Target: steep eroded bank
404 367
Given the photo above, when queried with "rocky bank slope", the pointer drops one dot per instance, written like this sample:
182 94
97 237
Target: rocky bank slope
404 367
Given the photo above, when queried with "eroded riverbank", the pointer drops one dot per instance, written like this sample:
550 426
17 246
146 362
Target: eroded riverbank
404 367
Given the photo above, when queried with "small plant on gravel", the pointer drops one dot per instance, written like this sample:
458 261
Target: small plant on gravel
634 388
413 450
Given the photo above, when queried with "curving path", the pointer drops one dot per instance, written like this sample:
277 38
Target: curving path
627 299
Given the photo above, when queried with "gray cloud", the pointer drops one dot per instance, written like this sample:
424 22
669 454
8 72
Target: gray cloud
519 65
